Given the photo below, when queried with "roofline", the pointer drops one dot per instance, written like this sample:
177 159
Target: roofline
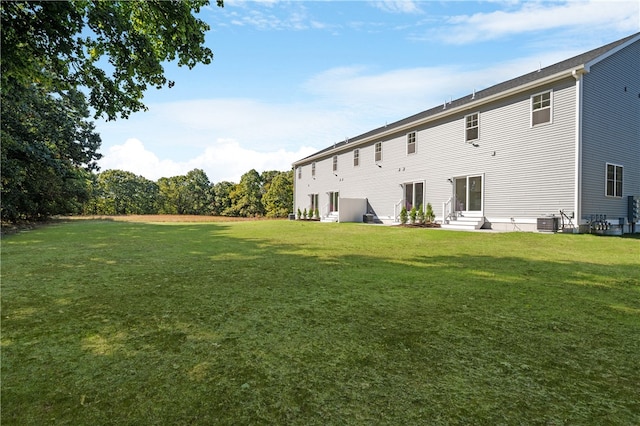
571 72
610 52
375 134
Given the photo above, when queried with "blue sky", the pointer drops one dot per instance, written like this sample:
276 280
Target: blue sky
292 77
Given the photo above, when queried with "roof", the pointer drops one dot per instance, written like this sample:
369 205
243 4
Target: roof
584 60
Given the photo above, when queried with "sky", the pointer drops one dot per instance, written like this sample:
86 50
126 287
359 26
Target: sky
292 77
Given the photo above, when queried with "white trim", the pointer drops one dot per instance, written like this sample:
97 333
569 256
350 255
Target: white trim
606 180
466 128
415 143
356 157
577 198
449 111
375 152
550 91
588 65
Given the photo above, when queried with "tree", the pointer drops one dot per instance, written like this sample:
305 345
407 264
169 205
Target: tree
278 198
48 149
52 52
186 194
221 198
120 192
66 45
246 197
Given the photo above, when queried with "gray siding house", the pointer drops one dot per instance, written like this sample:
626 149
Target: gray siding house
558 148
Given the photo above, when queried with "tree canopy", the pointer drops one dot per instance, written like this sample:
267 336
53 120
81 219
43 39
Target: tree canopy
65 61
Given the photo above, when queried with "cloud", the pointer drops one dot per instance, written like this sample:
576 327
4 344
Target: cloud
225 160
623 16
397 6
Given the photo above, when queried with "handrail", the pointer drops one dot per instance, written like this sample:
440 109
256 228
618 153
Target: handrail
396 212
448 209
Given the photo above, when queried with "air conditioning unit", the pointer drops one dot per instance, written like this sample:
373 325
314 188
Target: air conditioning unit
547 224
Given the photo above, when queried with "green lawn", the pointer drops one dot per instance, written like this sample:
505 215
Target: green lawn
286 322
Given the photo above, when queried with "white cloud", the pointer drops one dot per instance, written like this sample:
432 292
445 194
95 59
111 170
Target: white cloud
225 160
397 6
623 16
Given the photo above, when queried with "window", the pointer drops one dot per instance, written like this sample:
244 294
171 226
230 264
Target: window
356 157
313 169
471 127
411 143
378 151
299 172
614 180
541 108
335 163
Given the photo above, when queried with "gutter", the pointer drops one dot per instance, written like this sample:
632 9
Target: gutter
579 70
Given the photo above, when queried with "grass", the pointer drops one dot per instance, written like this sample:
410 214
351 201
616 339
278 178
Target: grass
283 322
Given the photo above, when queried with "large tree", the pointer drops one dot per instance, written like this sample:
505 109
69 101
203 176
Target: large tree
52 53
278 196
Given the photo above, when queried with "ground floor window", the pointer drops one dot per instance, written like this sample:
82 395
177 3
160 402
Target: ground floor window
413 195
614 180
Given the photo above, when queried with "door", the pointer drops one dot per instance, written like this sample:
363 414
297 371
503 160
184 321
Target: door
333 201
468 194
414 195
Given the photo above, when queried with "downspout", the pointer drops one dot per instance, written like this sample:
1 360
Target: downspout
577 74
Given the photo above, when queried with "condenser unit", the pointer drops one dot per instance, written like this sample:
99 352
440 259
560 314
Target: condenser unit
547 224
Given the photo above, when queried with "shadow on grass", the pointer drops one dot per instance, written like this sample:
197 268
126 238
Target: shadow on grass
141 324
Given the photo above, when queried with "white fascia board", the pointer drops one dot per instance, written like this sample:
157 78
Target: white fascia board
588 65
447 112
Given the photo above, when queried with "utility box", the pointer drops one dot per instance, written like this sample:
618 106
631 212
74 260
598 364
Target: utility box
547 224
367 218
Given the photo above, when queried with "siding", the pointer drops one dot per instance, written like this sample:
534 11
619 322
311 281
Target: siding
611 130
528 172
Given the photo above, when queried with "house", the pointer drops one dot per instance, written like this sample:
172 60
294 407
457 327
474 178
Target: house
558 148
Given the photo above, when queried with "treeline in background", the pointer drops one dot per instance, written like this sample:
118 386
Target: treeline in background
118 192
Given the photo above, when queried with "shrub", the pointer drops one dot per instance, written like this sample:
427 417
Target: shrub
317 213
304 213
412 214
429 215
420 217
404 217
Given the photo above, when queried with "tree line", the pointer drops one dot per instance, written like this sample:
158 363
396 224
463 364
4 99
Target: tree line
53 79
118 192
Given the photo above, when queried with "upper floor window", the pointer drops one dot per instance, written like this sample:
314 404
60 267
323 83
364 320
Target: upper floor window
356 157
299 172
472 126
335 163
614 180
378 151
313 169
411 143
541 108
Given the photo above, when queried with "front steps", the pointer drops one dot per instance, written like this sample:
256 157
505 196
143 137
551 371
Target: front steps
331 217
464 223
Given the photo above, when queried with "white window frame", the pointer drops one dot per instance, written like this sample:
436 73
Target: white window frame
532 109
377 152
356 157
477 126
615 180
335 163
412 139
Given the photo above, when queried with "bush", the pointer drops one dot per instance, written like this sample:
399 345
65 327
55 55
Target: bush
404 217
413 214
299 214
420 217
429 215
